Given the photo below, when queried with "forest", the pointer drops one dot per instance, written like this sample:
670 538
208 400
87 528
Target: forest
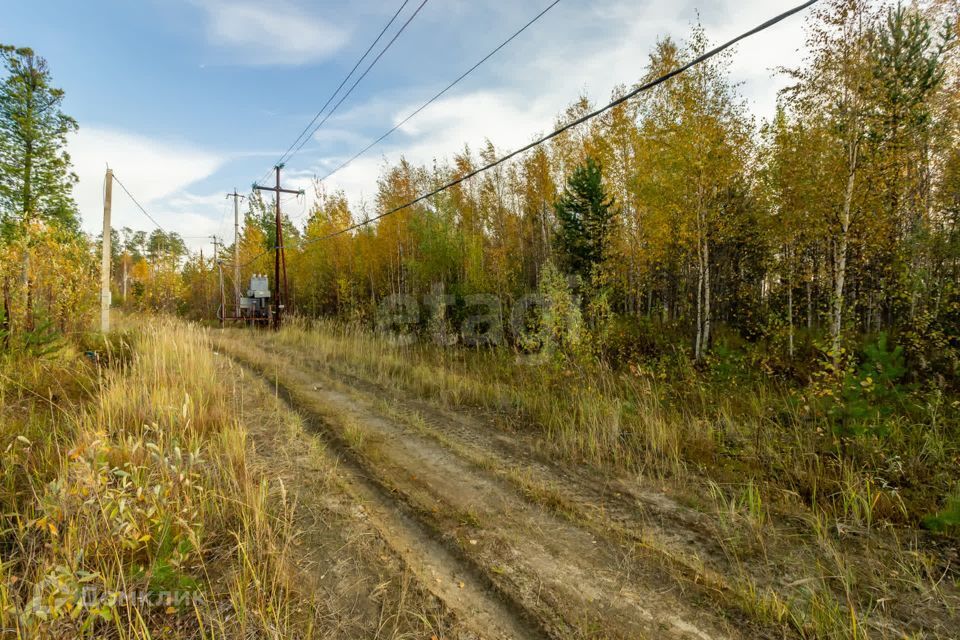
818 247
779 294
682 223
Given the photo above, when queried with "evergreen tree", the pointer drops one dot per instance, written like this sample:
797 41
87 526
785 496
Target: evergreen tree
36 181
584 214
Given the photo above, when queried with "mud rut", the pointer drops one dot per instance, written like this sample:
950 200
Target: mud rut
446 491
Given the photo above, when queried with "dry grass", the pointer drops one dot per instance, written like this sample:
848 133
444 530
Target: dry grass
132 505
610 420
782 502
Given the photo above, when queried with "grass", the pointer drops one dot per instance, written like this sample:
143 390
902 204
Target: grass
134 505
134 502
616 420
667 426
785 496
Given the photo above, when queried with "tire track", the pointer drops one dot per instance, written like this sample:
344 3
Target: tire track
570 581
440 570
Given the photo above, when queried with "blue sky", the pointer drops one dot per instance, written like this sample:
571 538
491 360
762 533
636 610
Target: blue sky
187 99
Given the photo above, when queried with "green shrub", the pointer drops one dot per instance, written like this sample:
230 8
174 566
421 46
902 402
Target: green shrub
947 520
872 391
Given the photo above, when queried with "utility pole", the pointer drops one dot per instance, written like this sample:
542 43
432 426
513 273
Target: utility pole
223 301
203 279
105 256
221 312
278 256
236 245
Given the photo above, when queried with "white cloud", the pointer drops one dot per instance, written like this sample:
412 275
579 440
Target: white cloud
275 33
517 94
530 84
157 173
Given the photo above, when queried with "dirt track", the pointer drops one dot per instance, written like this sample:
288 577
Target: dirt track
476 518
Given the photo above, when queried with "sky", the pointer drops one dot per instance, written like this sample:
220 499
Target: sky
188 99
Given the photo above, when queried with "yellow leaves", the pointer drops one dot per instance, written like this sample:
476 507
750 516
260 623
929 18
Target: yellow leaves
44 524
59 264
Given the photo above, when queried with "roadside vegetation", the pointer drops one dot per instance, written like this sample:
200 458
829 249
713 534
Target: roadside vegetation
667 418
760 320
821 529
134 504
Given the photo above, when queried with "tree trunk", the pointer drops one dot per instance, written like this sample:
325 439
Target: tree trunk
790 319
840 267
705 338
698 340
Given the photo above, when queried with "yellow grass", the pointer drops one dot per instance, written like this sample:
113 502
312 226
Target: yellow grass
132 512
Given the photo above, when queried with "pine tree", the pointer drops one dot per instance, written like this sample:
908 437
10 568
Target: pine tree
36 181
584 214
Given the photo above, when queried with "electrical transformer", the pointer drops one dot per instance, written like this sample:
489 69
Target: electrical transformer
255 305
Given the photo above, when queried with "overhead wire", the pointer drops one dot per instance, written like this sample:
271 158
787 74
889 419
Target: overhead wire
443 91
333 95
150 217
165 237
358 80
578 121
139 206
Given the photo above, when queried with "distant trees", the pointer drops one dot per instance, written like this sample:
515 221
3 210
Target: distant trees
837 218
834 220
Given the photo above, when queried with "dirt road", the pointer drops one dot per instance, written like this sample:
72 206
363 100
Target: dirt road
515 547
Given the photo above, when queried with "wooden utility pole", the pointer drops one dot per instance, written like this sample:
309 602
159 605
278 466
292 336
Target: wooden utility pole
221 312
236 245
223 300
105 255
278 257
203 280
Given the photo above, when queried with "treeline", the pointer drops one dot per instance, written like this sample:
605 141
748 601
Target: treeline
685 223
672 222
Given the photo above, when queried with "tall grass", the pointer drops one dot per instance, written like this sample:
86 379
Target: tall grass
785 496
128 506
668 423
591 415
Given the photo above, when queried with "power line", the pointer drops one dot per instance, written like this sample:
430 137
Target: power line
223 217
641 89
578 121
445 89
139 206
151 218
358 80
337 90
